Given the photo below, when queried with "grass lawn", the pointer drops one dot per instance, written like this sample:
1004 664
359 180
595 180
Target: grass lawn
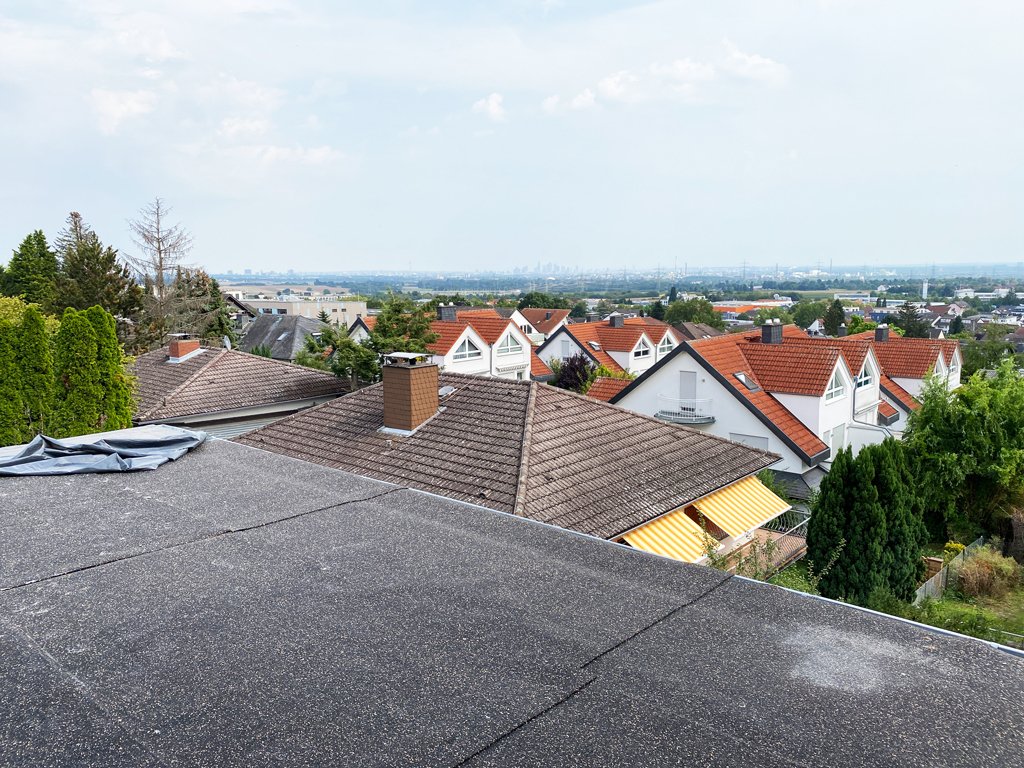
794 577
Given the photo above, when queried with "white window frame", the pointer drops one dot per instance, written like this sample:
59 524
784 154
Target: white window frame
666 345
467 350
865 379
643 349
510 346
836 388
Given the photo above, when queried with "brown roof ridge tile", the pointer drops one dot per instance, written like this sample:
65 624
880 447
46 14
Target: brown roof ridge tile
524 452
178 389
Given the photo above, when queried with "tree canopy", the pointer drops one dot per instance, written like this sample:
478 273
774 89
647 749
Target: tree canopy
694 310
834 316
542 300
32 272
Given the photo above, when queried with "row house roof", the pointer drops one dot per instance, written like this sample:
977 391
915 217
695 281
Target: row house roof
597 339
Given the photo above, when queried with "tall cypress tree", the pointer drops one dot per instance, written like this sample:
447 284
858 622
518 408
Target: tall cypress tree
32 271
35 358
864 558
826 530
902 557
13 421
116 409
835 315
78 394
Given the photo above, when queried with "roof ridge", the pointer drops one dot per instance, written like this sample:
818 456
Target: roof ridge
280 362
519 504
177 390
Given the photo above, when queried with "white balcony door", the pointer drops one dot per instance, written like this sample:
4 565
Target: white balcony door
687 385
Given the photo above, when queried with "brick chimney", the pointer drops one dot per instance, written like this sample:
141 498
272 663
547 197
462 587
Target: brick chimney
882 333
447 312
615 320
771 332
410 390
182 349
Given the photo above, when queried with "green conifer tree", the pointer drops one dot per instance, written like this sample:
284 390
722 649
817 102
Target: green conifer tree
32 271
826 530
78 394
116 410
864 557
35 359
835 316
903 529
13 420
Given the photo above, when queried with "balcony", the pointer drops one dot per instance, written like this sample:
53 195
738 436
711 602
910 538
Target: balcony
684 411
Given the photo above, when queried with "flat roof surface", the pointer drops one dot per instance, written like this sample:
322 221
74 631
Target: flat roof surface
240 608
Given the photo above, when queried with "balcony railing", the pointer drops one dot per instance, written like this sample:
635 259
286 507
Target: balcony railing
684 411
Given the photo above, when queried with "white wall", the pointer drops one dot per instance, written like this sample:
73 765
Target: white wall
519 362
731 416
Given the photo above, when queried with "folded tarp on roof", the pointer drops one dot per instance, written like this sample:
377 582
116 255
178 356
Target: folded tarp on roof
48 456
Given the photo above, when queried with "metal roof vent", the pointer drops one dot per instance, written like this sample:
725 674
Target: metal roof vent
445 390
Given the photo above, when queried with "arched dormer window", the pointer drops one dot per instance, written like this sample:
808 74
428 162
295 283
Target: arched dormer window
509 346
666 345
643 349
836 389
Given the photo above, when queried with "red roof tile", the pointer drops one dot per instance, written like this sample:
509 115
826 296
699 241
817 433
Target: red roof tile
491 327
898 393
886 410
797 369
605 388
544 320
447 334
538 368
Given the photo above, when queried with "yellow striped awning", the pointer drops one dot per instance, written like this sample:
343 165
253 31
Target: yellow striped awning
741 507
673 535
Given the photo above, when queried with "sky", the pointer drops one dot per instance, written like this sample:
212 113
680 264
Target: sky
598 134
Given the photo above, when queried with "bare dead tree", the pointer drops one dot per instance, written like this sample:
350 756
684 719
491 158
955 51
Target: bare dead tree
162 251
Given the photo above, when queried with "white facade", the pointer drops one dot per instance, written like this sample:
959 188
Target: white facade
509 358
342 313
648 350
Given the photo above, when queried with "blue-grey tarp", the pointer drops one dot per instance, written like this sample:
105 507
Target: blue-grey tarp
48 456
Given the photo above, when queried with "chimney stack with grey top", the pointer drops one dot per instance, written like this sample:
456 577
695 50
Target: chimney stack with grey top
771 332
447 313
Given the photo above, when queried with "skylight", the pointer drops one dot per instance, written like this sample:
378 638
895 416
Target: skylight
746 381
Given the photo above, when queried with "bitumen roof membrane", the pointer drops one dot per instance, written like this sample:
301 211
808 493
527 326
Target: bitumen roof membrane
240 608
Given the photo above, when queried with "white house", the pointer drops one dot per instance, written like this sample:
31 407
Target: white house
632 345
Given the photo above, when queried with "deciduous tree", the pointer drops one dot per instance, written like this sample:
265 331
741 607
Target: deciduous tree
694 310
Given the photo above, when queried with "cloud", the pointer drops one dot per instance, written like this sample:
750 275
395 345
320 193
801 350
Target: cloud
269 154
585 99
229 91
618 87
684 71
550 104
751 66
112 108
492 107
235 127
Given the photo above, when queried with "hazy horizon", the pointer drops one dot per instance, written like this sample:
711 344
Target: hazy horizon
411 136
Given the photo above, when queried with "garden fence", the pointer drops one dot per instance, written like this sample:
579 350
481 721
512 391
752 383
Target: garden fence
947 575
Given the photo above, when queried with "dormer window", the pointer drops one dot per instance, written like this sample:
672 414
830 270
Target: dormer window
836 389
643 349
467 351
865 379
665 346
509 346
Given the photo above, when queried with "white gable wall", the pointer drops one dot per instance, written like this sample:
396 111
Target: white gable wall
732 419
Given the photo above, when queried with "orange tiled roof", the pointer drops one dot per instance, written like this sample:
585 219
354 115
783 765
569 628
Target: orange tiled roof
616 339
795 369
605 388
447 334
899 394
490 325
540 319
538 367
886 410
725 354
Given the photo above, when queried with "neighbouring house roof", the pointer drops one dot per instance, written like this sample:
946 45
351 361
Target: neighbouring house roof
284 335
526 448
903 399
903 358
887 414
605 388
491 327
243 609
599 338
694 331
218 380
538 368
240 305
545 320
794 370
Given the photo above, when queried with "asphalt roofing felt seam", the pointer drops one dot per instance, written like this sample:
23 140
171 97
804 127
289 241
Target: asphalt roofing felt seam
668 615
210 537
525 722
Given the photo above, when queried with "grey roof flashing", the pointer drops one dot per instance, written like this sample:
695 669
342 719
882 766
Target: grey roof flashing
240 608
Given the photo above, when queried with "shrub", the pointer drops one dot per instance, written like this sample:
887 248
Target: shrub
988 574
951 550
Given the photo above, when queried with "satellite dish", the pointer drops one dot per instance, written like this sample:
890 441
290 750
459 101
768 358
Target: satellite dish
227 343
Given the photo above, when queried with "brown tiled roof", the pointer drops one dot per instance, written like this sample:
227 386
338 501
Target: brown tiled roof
605 388
219 380
694 331
540 320
523 447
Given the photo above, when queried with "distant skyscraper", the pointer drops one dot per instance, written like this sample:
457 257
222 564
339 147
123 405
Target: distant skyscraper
924 291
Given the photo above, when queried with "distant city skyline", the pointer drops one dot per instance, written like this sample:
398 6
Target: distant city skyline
591 135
